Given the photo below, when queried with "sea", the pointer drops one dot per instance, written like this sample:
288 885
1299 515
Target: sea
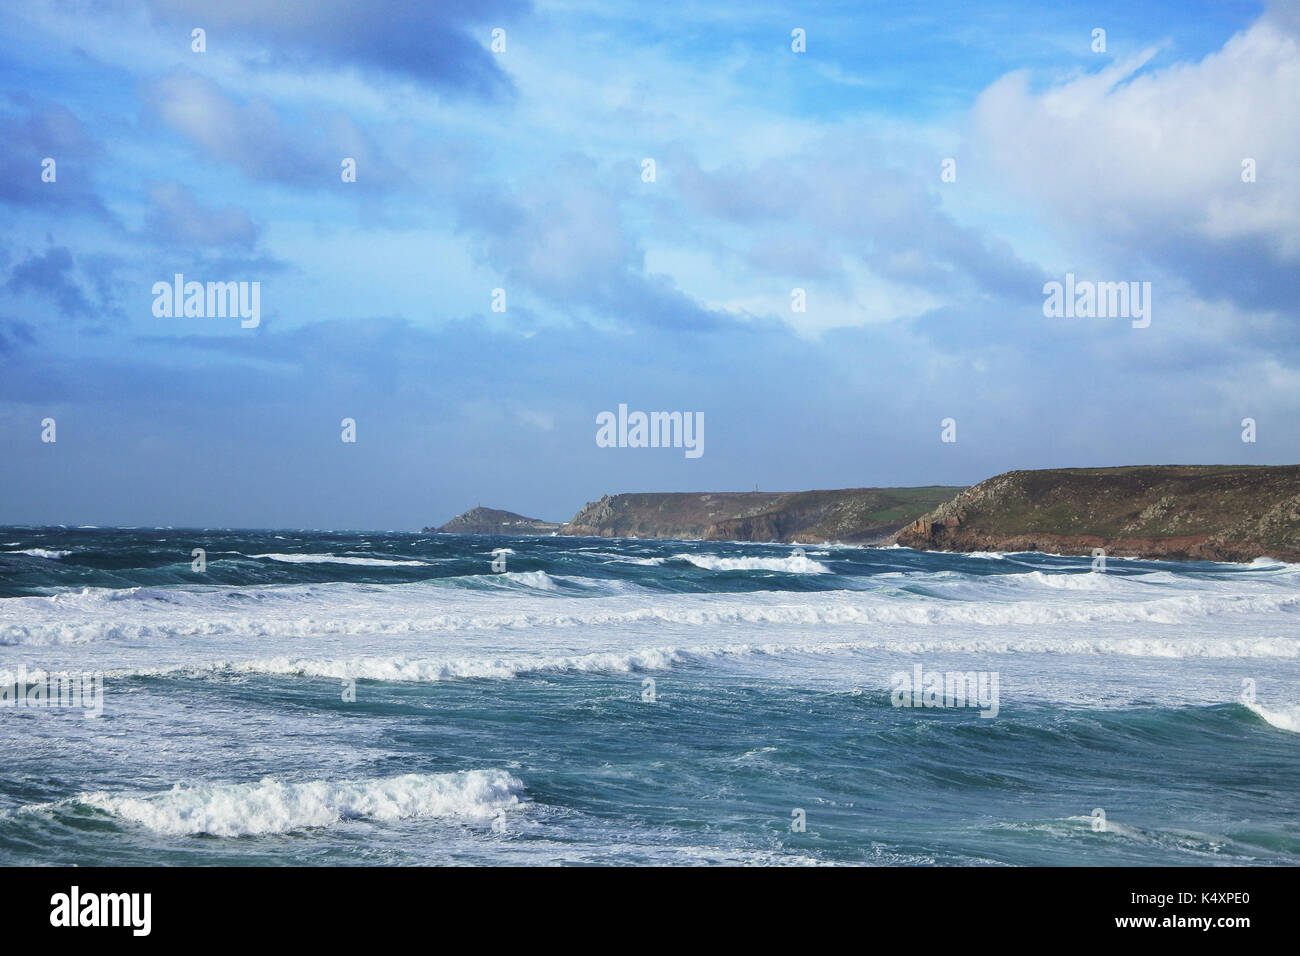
226 697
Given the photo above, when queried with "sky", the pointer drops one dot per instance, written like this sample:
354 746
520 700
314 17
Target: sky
919 173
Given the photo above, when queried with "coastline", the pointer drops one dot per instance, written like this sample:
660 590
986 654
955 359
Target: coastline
1221 513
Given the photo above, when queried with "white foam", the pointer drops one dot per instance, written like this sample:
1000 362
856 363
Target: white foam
337 559
1077 580
427 670
399 668
272 806
1269 563
43 553
527 600
537 580
1283 718
795 564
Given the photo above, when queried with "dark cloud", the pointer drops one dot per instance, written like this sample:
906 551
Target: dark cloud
444 44
1248 270
41 129
249 136
14 334
175 216
53 276
252 136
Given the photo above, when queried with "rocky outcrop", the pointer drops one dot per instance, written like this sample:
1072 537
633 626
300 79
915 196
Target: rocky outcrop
1196 512
860 515
494 521
669 515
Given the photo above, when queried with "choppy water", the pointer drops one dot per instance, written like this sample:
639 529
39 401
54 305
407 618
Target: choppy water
506 717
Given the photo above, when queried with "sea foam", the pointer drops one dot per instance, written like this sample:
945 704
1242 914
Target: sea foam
272 806
338 559
795 564
1283 717
41 553
531 599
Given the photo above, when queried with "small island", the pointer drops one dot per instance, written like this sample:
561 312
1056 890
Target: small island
494 521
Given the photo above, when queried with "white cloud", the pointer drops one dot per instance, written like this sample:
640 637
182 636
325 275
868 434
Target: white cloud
1136 151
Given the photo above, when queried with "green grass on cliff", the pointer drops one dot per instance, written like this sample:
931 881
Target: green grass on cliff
1220 509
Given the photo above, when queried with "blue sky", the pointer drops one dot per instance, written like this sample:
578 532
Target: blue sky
521 169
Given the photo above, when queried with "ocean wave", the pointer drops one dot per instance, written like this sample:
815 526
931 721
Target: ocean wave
415 669
1283 717
1271 564
1186 841
41 553
795 564
338 559
272 806
135 614
620 558
403 669
1087 581
535 580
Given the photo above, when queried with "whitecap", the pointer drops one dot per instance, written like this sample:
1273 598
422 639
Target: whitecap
273 806
795 564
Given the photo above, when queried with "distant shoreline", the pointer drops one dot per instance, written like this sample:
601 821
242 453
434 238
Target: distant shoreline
1226 513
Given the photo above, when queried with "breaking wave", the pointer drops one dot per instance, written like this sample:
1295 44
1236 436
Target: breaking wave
795 564
1283 717
272 806
527 600
405 668
41 553
339 559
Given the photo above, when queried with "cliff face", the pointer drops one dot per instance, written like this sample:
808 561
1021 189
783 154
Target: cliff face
852 515
1198 512
494 521
684 515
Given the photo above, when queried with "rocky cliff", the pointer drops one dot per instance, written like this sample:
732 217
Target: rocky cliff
851 515
1200 512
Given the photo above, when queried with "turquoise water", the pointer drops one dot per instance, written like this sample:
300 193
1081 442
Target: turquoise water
323 698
